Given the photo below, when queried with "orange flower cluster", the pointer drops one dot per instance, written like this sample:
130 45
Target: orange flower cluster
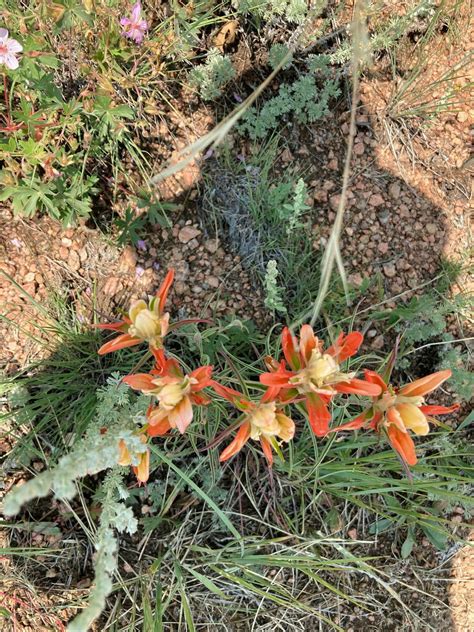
308 375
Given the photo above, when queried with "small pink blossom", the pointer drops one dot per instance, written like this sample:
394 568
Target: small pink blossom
134 27
9 48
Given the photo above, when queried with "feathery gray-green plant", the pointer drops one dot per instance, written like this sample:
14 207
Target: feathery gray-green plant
96 452
114 515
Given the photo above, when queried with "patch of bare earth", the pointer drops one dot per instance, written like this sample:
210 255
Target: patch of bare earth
79 264
461 590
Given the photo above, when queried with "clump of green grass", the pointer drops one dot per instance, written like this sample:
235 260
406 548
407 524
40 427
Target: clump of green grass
265 216
238 533
449 89
423 327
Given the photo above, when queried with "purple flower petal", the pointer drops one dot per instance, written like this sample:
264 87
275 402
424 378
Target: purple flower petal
136 12
139 271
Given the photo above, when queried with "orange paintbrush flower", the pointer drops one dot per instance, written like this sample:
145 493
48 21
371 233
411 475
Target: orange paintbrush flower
142 459
398 410
315 374
146 322
175 392
263 421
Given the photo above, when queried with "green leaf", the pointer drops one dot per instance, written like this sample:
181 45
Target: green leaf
220 514
49 60
184 598
436 536
129 227
381 525
5 613
208 583
467 422
408 545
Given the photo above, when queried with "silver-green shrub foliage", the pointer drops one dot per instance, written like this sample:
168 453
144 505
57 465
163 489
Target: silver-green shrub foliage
213 75
306 100
273 298
97 451
290 10
114 515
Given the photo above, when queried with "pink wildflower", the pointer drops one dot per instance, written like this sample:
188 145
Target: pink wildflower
9 47
134 27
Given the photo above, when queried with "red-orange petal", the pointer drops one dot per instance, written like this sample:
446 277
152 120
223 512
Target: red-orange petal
267 450
354 424
232 396
238 443
403 444
276 378
288 344
203 375
319 415
356 386
346 346
159 429
160 360
121 342
140 381
271 394
308 342
162 293
172 369
425 384
438 410
199 400
374 378
272 364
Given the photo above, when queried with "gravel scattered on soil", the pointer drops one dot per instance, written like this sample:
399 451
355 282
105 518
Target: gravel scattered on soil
79 263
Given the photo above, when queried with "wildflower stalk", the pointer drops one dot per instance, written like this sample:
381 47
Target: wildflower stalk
7 101
96 452
113 515
332 253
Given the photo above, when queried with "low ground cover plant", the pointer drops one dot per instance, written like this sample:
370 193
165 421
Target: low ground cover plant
305 384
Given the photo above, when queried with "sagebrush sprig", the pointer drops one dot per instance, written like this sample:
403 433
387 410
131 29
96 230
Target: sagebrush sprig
303 100
211 77
293 11
297 208
114 515
96 452
273 298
